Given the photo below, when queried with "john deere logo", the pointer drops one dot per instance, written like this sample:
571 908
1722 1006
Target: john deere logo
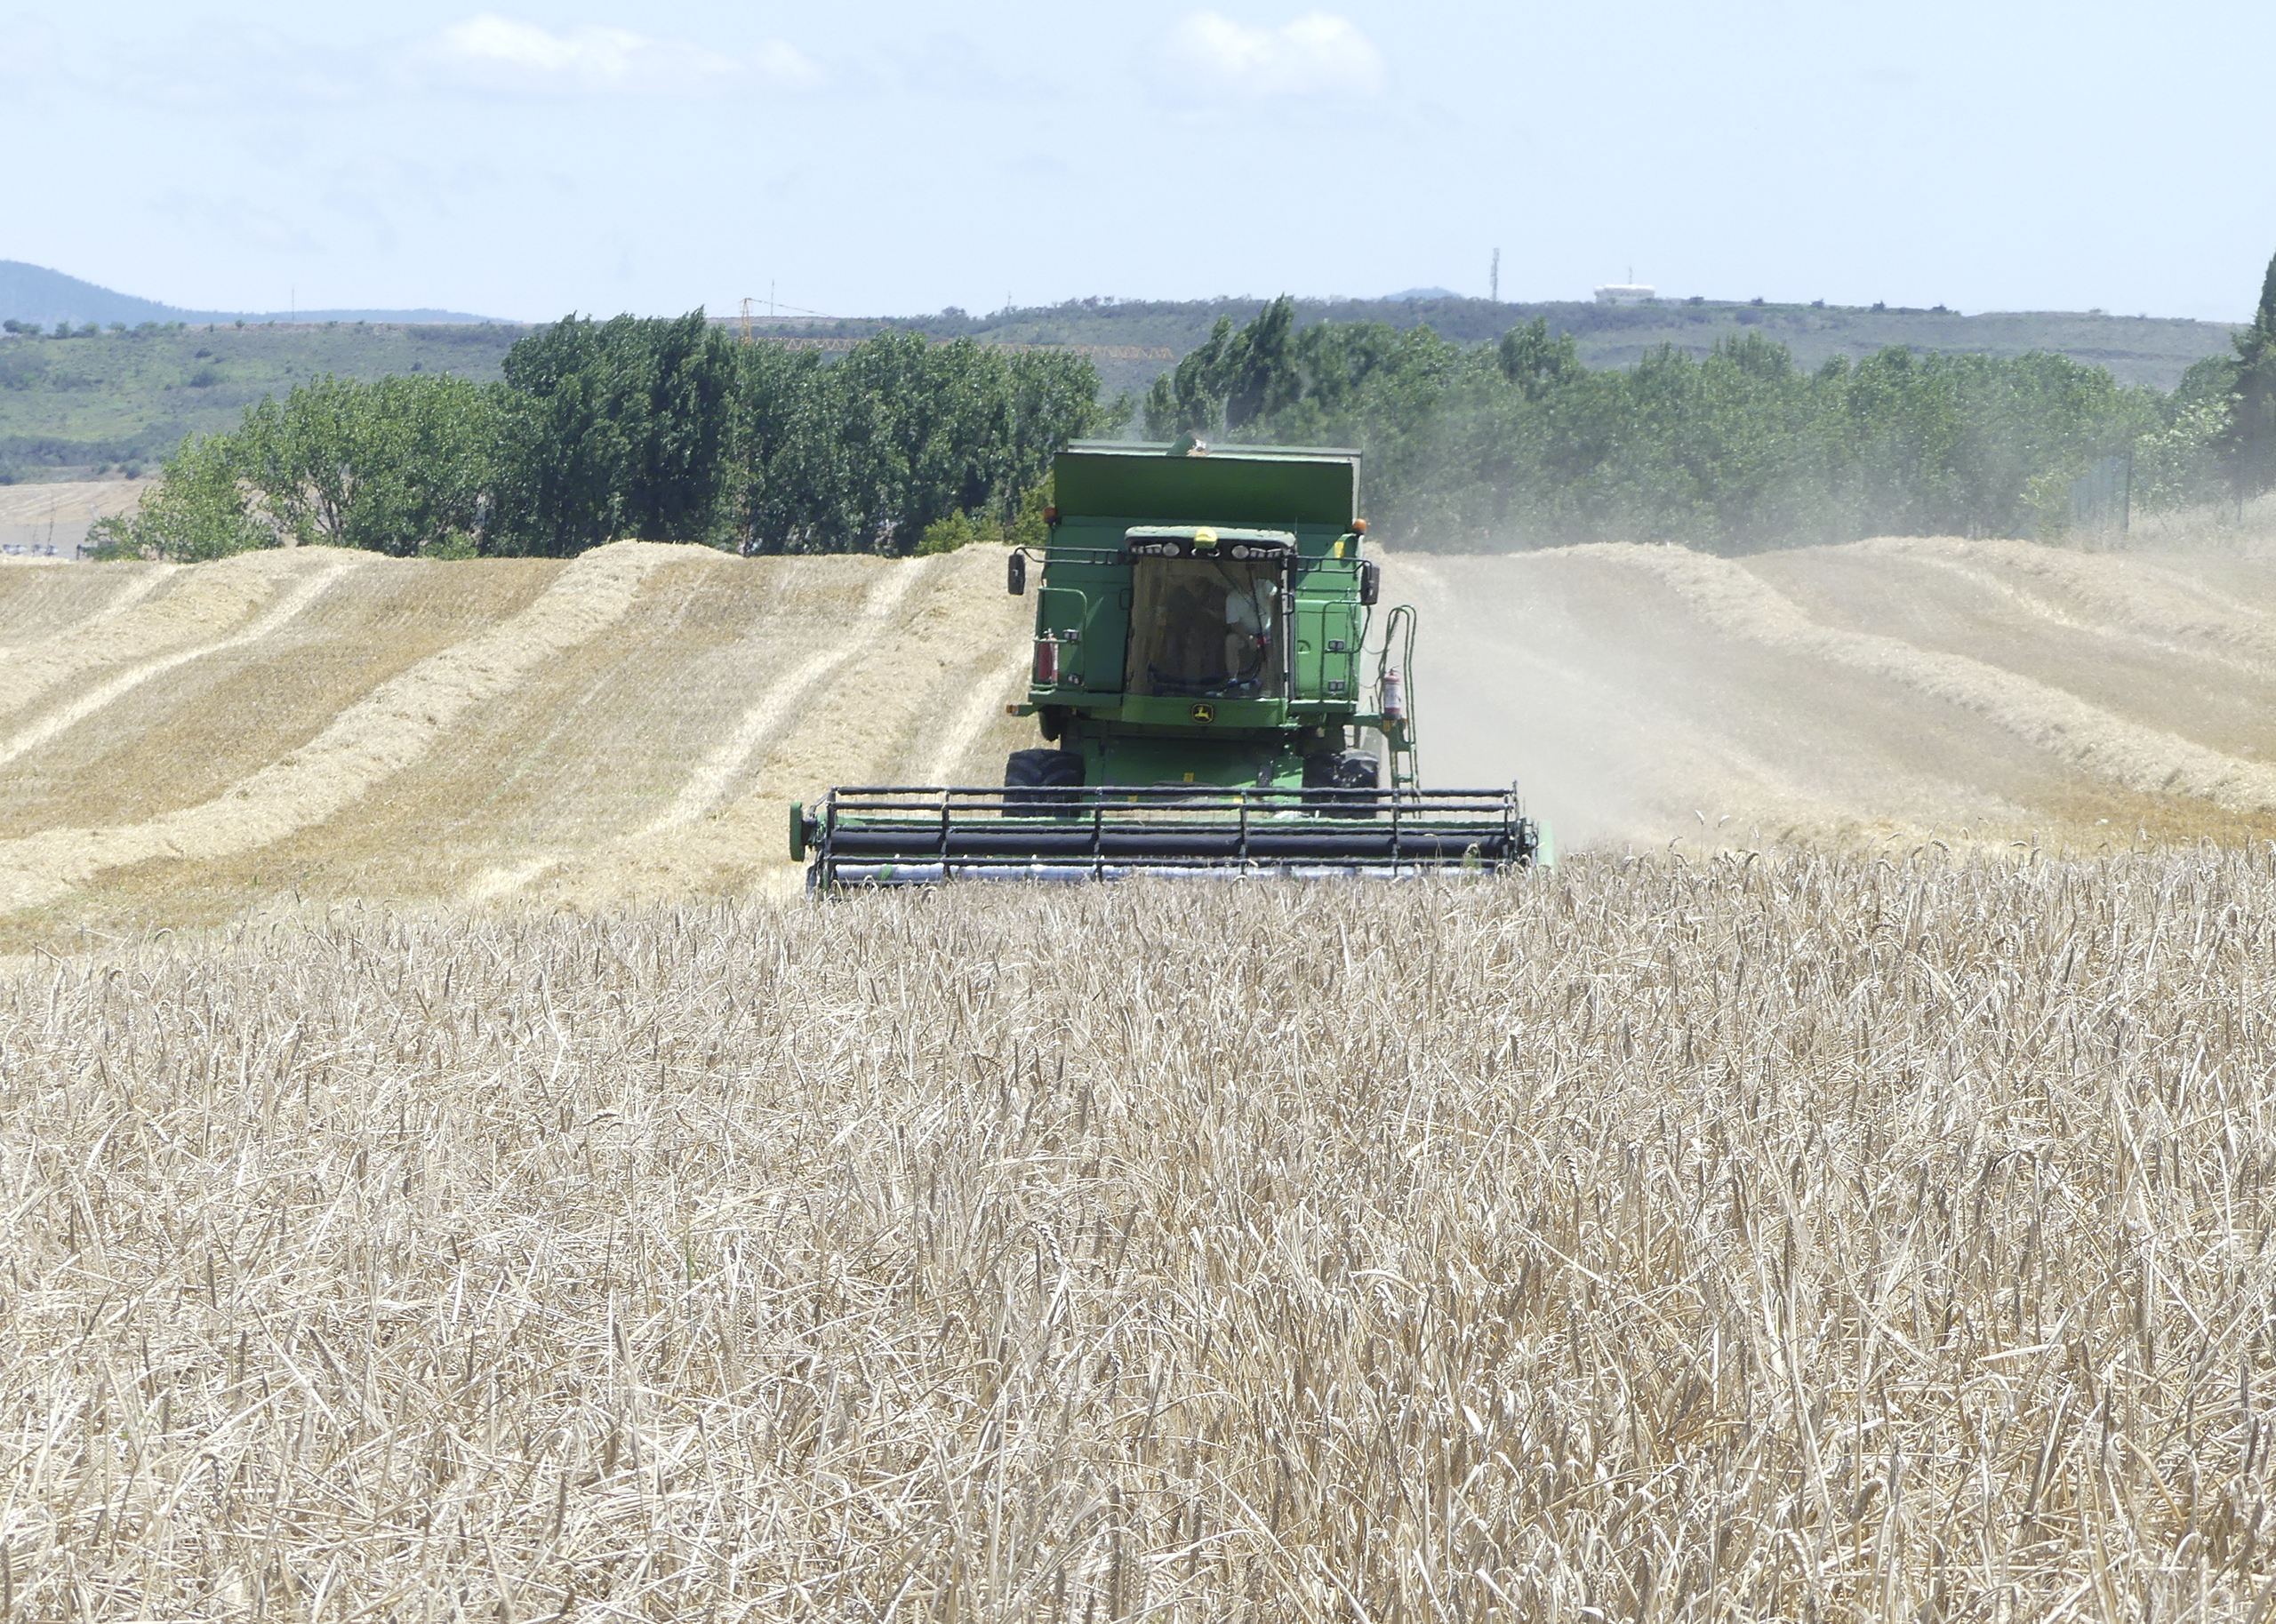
1204 712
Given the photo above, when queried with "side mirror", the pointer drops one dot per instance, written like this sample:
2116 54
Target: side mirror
1371 581
1016 575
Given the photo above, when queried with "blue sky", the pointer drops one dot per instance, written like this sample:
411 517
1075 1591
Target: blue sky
524 161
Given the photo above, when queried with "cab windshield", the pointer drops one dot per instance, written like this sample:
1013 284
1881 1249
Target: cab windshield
1203 628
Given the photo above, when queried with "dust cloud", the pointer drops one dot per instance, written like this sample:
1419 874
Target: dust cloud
1913 690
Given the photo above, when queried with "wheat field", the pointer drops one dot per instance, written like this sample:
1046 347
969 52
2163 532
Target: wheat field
1817 1236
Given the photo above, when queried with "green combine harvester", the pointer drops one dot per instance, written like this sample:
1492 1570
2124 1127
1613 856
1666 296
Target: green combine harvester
1217 693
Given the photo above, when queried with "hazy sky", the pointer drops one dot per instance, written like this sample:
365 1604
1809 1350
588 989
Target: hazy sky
896 157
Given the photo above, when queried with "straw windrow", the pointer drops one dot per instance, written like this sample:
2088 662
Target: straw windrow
368 742
2145 759
161 616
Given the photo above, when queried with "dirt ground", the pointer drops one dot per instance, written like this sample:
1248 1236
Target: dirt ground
178 745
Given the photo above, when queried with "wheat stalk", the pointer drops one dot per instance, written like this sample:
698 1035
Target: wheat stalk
1809 1236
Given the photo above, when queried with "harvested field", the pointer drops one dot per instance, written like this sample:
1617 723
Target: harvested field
184 743
52 520
1803 1236
1905 689
177 745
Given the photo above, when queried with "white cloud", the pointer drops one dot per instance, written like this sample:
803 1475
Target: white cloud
498 53
1315 55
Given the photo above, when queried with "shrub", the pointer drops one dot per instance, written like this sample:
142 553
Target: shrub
199 511
1028 528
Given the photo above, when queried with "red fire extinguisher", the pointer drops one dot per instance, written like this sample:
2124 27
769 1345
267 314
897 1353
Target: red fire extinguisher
1394 696
1046 660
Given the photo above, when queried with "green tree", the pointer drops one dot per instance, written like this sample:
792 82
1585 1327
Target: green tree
1189 397
621 428
1237 377
395 466
2252 431
2179 463
200 510
1516 442
1536 362
903 435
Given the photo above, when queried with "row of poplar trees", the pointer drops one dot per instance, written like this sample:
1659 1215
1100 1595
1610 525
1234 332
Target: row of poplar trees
668 430
1519 444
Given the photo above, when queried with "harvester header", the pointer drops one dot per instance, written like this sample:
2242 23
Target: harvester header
1216 688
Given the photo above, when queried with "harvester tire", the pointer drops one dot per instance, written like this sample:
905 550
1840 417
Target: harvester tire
1033 779
1342 784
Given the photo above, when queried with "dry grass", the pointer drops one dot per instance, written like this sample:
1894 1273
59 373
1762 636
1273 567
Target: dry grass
365 744
1826 1237
158 617
2221 528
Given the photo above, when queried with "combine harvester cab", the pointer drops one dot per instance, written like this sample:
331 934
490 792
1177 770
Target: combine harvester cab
1218 695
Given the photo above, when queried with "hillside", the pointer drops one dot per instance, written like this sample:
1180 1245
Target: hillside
34 293
2135 349
178 743
72 407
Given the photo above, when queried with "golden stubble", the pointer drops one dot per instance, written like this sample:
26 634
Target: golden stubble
181 744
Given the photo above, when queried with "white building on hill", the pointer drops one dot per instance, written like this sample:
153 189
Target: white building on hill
1625 293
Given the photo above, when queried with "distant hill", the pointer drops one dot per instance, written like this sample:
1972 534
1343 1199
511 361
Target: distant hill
71 408
34 293
1133 340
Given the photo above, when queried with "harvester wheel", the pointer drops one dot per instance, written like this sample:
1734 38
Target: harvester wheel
1031 778
1344 784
